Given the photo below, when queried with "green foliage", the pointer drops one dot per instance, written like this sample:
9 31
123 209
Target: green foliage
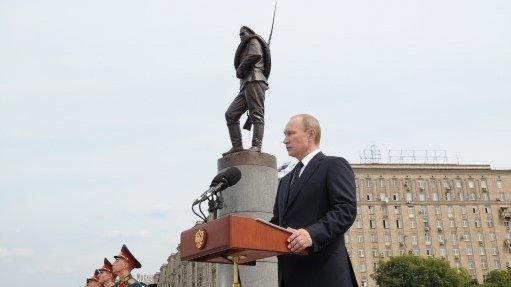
416 271
498 278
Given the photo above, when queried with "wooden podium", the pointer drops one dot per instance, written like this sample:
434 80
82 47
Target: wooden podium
233 238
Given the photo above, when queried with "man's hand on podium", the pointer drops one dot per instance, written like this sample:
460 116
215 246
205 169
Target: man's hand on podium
299 240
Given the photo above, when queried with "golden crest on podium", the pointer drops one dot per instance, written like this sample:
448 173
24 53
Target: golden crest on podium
200 238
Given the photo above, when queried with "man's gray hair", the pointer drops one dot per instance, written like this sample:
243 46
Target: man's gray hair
311 123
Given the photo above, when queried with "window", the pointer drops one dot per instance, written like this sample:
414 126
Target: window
491 235
422 197
427 239
376 253
454 238
374 238
496 264
484 264
447 185
477 223
414 239
499 183
489 222
363 267
368 182
395 197
394 182
464 223
382 182
384 210
360 238
435 196
472 196
358 223
428 252
411 212
441 251
385 225
494 251
398 224
471 265
364 283
372 223
456 252
485 197
483 184
437 210
460 196
463 210
397 209
361 253
448 196
469 250
466 236
470 184
502 197
433 183
439 223
458 183
474 209
451 223
480 237
481 251
369 197
420 182
371 209
409 196
412 224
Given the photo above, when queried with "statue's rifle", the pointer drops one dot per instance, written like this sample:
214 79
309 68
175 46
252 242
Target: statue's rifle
272 22
248 123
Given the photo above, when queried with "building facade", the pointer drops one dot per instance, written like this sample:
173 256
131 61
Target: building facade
460 213
177 273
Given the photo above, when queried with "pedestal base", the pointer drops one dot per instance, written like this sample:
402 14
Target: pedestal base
253 196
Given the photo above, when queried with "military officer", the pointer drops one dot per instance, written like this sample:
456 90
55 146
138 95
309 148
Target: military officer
106 277
122 266
93 281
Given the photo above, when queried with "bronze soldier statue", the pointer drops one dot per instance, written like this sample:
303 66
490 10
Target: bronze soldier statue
253 64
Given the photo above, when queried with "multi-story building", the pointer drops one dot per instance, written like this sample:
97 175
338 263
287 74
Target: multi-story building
460 213
177 273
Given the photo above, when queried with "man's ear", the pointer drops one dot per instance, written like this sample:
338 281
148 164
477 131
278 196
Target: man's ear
311 135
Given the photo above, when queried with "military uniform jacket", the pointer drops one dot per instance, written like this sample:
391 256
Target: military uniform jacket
128 282
252 62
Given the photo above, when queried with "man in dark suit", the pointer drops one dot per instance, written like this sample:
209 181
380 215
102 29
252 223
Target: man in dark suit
317 202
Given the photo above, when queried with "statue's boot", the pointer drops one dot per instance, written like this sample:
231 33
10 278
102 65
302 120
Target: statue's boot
235 134
257 137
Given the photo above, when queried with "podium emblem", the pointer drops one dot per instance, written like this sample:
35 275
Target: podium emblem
200 238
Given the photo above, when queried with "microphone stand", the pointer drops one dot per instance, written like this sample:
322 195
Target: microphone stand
214 204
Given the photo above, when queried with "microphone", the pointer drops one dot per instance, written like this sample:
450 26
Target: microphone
221 181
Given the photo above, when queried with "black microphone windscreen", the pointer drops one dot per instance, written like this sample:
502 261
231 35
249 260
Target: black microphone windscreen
232 175
218 178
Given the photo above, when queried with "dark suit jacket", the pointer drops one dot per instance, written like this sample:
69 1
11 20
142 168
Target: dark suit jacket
323 202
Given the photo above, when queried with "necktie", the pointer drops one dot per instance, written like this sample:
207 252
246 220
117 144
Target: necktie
296 172
296 175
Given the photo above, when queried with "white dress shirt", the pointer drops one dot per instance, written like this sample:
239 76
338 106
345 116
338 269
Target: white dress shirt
307 159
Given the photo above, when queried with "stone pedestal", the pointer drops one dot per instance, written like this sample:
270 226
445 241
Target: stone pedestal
253 196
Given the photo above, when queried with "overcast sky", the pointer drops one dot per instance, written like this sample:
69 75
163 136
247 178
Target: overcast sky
112 112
